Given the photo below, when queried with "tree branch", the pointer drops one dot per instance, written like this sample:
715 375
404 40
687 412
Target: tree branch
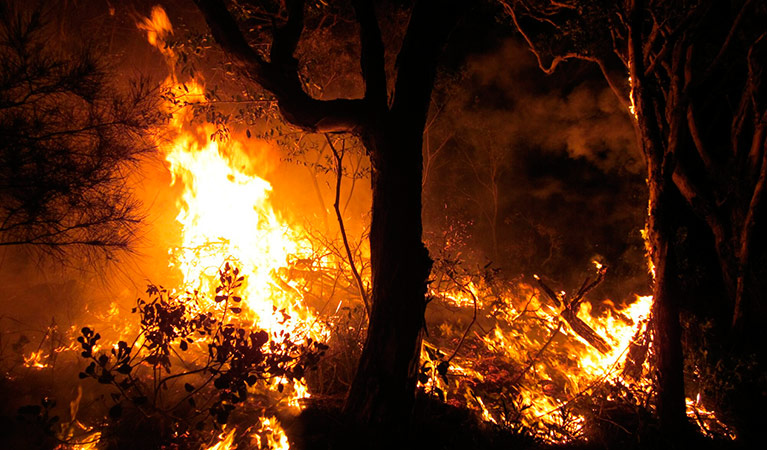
336 205
430 24
280 76
372 57
726 44
749 227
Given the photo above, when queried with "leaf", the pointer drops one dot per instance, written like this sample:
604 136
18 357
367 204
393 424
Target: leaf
236 310
247 133
440 394
116 411
188 387
442 370
184 346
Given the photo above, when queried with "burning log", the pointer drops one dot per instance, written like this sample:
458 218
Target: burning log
637 353
569 313
585 331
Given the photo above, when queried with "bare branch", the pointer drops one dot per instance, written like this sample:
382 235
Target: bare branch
336 205
749 227
727 41
280 76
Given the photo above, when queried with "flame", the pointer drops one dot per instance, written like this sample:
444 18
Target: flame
226 214
226 439
36 360
554 364
632 105
158 28
91 443
270 435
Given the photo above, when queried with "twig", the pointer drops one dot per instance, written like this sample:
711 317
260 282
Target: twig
336 205
473 319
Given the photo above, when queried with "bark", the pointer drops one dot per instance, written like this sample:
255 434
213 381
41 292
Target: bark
669 362
667 332
383 390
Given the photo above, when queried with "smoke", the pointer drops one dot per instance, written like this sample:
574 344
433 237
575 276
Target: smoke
542 171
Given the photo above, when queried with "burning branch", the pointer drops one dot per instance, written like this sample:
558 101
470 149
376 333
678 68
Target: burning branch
570 312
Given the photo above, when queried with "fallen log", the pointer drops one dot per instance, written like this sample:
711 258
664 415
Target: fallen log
569 312
637 353
586 332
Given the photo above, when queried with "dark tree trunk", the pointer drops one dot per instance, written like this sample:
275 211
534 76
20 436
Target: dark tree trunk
667 331
660 229
383 389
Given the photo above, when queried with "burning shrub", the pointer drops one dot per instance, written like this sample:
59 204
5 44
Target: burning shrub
159 376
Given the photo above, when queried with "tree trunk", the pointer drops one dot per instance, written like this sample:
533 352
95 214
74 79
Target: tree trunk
667 332
382 392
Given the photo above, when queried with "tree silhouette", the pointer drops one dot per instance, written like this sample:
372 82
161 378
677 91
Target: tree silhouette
68 139
390 122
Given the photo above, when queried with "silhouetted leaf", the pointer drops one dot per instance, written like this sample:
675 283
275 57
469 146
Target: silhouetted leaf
116 411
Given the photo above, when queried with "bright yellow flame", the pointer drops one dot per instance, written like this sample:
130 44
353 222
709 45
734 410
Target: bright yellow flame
35 360
158 28
226 215
271 435
225 441
632 105
91 443
553 363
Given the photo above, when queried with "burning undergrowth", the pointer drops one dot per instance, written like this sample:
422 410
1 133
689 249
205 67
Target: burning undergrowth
195 360
265 316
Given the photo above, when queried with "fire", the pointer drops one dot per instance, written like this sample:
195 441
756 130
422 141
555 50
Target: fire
226 214
92 443
536 353
267 435
226 439
36 360
158 27
270 435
